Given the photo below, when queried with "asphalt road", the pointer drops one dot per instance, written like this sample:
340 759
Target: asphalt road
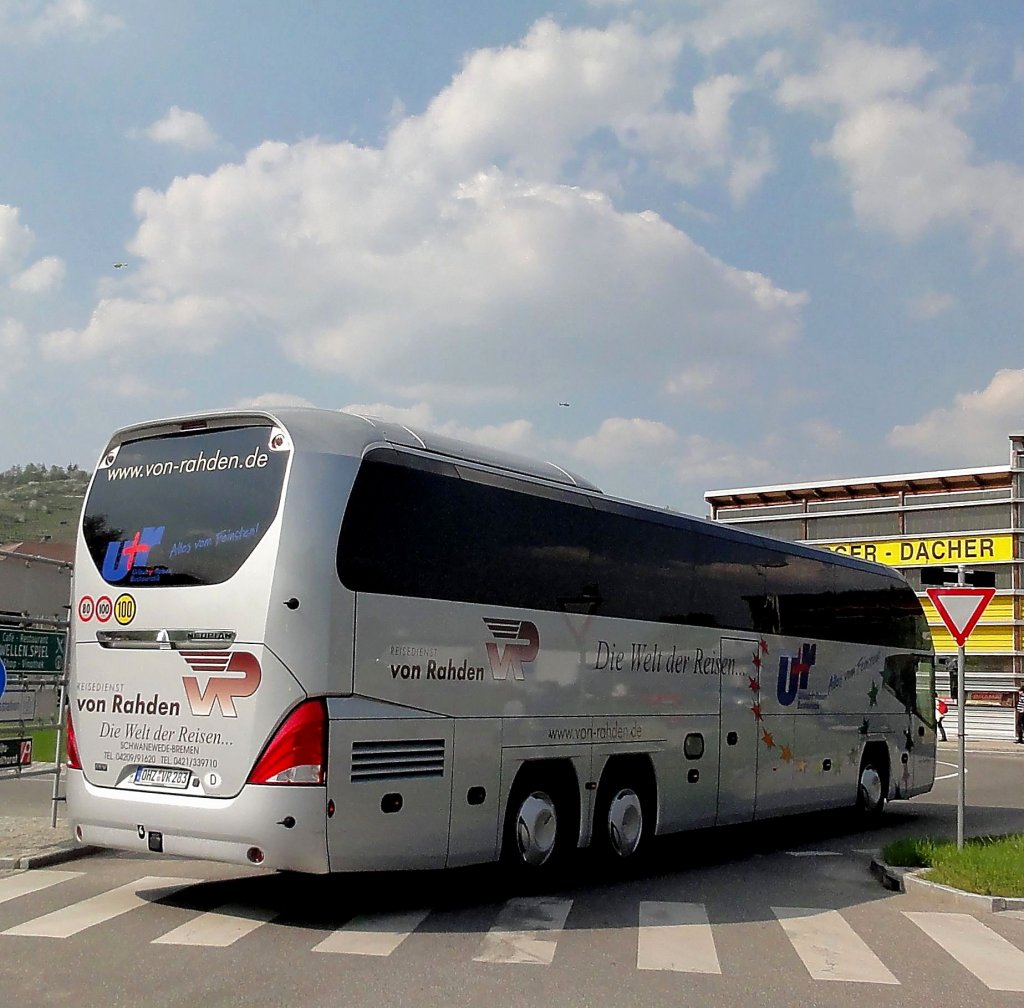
781 913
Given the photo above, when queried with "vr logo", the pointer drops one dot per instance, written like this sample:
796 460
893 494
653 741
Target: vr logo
793 670
221 690
524 649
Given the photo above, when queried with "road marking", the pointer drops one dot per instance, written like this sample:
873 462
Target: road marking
373 934
217 928
525 931
30 882
107 905
830 948
814 853
988 955
676 936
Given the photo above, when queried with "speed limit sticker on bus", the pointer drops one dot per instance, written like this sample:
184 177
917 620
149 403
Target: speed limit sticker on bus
124 609
86 607
104 608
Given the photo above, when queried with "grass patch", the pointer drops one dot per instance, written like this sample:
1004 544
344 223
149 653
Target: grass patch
44 744
992 866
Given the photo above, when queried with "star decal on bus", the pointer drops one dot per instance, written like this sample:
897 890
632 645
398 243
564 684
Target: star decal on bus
767 738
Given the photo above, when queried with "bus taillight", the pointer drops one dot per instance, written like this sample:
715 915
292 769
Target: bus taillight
297 754
74 761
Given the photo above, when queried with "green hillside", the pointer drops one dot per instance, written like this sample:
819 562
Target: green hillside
38 501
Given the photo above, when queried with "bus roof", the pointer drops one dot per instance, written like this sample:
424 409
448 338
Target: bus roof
338 432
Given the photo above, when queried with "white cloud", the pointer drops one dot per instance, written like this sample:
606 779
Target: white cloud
974 427
853 72
15 239
187 323
38 20
730 21
181 128
420 416
526 107
620 441
272 401
908 163
931 304
513 436
703 462
13 349
455 262
403 283
45 275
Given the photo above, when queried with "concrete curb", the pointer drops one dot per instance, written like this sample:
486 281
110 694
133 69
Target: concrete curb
47 858
912 880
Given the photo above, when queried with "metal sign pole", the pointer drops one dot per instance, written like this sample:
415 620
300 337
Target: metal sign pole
961 695
961 797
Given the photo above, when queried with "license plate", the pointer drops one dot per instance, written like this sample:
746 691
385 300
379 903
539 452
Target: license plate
162 777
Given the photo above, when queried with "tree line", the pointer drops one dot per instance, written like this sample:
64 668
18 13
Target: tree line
22 475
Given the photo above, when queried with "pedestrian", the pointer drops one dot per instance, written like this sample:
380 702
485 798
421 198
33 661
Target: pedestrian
1020 715
941 710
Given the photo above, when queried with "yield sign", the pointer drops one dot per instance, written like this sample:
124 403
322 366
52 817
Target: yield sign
960 608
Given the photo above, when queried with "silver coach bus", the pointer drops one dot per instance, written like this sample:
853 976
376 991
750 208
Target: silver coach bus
319 642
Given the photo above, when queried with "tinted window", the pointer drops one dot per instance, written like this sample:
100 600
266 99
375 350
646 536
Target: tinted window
183 510
434 530
731 587
432 535
641 569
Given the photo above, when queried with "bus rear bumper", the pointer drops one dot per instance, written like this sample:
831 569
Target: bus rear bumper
231 830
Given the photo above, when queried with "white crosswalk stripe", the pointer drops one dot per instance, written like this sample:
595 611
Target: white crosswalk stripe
373 935
997 963
29 882
676 936
217 928
526 931
107 905
829 947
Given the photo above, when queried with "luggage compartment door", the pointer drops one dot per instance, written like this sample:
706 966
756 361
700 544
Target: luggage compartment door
391 784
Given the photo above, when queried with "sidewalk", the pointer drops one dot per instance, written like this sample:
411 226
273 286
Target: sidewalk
28 840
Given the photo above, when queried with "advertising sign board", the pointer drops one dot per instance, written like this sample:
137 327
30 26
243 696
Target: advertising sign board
32 650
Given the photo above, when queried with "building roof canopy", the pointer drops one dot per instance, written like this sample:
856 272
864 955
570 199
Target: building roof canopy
862 487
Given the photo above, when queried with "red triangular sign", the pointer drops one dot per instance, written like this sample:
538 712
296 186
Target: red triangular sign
960 608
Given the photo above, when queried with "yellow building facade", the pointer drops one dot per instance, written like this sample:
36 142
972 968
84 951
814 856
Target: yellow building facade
969 517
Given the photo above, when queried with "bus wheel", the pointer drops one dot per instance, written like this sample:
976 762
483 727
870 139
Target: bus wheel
622 824
531 829
871 786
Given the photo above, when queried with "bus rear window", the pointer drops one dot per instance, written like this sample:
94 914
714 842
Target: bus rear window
185 509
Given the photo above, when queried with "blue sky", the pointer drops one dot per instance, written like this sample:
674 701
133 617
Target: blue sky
747 242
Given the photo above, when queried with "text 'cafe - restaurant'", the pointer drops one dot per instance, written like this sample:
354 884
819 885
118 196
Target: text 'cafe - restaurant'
962 516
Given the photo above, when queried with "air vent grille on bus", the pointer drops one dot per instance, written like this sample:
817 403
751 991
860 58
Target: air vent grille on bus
400 758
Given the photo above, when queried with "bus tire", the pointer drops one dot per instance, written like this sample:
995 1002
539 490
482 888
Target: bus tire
624 812
872 784
538 824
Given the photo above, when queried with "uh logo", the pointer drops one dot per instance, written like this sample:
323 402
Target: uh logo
124 555
793 671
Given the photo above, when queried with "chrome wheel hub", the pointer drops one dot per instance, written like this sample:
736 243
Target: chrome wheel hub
536 829
870 787
625 823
